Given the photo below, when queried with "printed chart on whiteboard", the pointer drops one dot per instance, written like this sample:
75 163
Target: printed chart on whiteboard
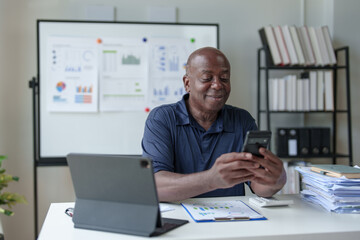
72 74
167 67
123 74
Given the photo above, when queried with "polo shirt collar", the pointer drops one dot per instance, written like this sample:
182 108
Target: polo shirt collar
183 117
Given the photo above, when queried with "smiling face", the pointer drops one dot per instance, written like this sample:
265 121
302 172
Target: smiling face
207 80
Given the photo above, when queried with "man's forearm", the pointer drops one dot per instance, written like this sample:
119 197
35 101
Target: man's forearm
175 187
269 190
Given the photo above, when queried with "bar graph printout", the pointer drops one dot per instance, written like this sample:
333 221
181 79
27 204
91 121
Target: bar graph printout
167 61
123 74
73 85
205 210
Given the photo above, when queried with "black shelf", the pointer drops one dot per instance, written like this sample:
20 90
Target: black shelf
337 111
317 156
335 67
267 68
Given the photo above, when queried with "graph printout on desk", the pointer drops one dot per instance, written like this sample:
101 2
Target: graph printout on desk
209 211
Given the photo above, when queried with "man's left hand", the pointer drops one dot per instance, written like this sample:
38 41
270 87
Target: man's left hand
271 177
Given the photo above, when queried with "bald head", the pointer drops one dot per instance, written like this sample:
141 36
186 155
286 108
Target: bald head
207 52
207 80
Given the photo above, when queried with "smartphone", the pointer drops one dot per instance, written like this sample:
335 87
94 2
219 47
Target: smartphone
256 139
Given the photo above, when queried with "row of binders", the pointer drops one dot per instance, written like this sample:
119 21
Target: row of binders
291 45
336 194
303 142
313 91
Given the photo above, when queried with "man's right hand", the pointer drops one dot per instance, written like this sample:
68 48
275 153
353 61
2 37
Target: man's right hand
231 169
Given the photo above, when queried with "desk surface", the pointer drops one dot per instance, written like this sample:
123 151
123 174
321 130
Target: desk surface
301 220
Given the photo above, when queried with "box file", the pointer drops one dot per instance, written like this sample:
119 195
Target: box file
315 137
292 142
325 141
282 146
303 142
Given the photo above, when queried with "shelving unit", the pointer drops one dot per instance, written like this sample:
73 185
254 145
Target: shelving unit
267 68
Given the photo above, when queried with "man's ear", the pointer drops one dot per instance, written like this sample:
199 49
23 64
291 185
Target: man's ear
186 82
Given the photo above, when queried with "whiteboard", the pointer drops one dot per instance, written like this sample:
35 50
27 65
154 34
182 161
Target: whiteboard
106 122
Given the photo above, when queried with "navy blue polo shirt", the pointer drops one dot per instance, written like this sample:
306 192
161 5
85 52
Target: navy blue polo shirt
175 142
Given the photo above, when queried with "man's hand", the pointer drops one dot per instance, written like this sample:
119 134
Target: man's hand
269 179
231 169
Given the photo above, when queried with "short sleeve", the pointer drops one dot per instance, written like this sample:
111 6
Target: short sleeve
156 142
248 123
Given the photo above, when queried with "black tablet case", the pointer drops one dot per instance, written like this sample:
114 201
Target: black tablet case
117 193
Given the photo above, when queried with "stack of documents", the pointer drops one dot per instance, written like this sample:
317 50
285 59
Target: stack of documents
339 195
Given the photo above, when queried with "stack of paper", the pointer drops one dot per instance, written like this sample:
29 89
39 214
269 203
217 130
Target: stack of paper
340 195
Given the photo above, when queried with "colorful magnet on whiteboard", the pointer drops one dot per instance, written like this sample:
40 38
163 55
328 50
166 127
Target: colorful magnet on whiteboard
147 109
99 40
144 39
192 40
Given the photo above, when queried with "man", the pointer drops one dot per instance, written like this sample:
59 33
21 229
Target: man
195 144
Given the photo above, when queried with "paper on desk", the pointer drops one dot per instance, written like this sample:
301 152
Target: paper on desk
208 210
328 205
332 197
340 195
334 188
165 207
305 171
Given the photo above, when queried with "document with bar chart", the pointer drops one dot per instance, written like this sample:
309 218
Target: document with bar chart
209 211
167 62
123 74
72 84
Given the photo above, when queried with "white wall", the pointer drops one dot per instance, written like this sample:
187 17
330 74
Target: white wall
338 16
239 22
346 32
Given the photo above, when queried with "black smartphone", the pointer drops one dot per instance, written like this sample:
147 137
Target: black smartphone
256 139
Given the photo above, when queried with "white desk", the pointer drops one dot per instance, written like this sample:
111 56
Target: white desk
298 221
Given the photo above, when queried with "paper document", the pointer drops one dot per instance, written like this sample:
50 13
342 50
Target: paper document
207 210
340 195
165 207
123 74
71 78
